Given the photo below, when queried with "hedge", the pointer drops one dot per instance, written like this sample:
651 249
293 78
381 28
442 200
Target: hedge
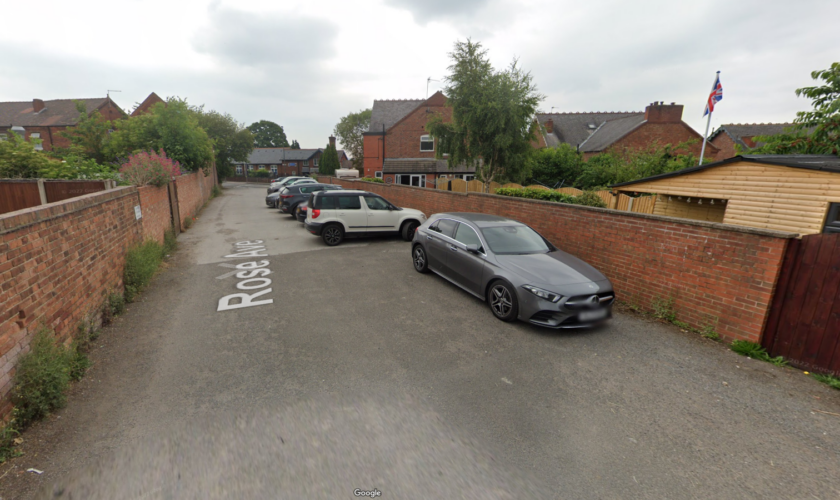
587 198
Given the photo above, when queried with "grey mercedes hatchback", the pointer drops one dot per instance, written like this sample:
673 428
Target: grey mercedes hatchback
519 273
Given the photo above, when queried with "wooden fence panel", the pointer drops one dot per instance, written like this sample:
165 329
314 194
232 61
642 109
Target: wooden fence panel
459 185
61 190
537 186
622 202
608 198
569 191
442 184
644 204
18 194
805 324
475 186
494 186
512 185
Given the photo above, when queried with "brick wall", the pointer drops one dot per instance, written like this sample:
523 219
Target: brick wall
58 262
715 273
664 133
156 211
193 192
725 145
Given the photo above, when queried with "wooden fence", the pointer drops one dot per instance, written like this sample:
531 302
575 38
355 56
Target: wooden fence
462 186
18 194
804 323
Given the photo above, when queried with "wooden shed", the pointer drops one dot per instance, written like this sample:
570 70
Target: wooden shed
792 193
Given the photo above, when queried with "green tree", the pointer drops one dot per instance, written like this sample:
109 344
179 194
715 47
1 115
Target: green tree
295 144
172 127
329 161
268 135
492 115
555 166
20 160
627 165
232 142
816 131
349 131
89 136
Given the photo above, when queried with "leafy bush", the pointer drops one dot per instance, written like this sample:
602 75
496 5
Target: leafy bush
587 198
372 179
188 222
141 262
260 173
42 376
215 191
169 241
153 168
755 351
19 159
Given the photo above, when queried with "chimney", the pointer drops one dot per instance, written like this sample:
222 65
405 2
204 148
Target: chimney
38 105
332 140
659 112
549 125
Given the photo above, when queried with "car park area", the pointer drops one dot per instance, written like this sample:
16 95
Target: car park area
632 409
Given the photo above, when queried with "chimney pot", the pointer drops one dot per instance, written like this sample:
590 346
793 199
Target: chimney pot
659 112
332 140
38 105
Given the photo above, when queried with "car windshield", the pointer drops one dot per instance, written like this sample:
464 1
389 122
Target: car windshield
514 240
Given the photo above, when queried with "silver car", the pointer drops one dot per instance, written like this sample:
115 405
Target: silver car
519 273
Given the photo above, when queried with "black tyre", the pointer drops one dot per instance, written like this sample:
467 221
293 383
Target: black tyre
419 258
293 212
408 230
502 300
333 235
296 213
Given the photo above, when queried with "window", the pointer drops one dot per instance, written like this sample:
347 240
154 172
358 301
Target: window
378 174
466 235
417 180
444 227
514 240
274 169
325 202
37 136
250 168
239 170
315 162
466 177
832 222
349 203
376 203
427 143
305 163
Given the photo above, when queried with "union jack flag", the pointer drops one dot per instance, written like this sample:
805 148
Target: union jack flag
715 96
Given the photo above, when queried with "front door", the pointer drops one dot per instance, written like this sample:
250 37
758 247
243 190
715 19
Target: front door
350 212
380 216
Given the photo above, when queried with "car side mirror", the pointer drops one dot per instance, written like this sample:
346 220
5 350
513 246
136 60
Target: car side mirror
472 248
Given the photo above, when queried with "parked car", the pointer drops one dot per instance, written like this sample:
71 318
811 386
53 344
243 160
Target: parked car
273 199
300 211
276 186
519 273
334 215
292 196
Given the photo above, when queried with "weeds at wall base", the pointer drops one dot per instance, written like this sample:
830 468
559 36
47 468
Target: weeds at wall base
830 380
141 263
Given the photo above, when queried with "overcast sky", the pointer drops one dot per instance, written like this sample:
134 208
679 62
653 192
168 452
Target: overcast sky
305 64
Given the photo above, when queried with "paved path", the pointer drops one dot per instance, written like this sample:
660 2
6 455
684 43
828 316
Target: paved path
365 374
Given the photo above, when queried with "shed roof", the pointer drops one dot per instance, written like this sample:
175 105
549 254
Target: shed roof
824 163
57 112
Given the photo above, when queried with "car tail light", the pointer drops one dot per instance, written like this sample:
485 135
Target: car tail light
315 213
303 209
285 196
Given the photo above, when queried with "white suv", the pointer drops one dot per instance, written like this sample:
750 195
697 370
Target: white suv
332 215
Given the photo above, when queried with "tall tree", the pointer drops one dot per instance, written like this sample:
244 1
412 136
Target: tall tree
349 131
329 161
555 166
171 126
816 131
268 135
89 136
231 140
295 144
492 115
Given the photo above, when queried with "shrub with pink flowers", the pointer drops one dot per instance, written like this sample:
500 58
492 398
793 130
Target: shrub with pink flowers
150 167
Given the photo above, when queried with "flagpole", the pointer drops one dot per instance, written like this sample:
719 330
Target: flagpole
708 121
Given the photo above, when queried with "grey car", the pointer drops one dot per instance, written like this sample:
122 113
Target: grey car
292 196
519 273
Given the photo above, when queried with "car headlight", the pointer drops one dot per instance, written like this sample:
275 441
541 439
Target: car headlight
543 294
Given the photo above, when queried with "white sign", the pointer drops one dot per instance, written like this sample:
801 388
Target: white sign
137 213
253 273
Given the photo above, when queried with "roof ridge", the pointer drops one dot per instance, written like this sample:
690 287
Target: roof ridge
749 124
595 113
53 100
398 100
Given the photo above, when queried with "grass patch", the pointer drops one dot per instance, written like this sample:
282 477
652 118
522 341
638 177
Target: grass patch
170 243
113 306
8 435
215 191
830 380
664 309
188 222
141 262
709 332
755 351
42 376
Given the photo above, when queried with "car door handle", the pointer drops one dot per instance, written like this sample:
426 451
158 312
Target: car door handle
428 237
453 248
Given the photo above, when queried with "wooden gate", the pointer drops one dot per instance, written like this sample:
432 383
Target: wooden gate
804 323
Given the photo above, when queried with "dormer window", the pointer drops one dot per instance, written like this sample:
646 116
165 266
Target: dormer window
427 143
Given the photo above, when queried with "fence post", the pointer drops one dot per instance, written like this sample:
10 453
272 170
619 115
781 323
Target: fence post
42 191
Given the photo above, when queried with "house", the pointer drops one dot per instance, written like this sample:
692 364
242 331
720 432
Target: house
397 147
792 193
726 137
598 132
147 104
286 161
39 119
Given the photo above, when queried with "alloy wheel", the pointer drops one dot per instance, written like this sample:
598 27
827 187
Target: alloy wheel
419 258
332 235
501 301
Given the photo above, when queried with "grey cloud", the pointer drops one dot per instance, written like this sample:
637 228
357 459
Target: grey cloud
432 10
265 40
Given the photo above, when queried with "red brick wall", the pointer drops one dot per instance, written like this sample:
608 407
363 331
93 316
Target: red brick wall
58 262
403 139
664 133
157 214
716 274
725 145
193 192
373 154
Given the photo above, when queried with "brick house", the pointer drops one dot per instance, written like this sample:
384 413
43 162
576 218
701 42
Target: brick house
39 119
286 161
147 104
726 137
397 147
596 132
